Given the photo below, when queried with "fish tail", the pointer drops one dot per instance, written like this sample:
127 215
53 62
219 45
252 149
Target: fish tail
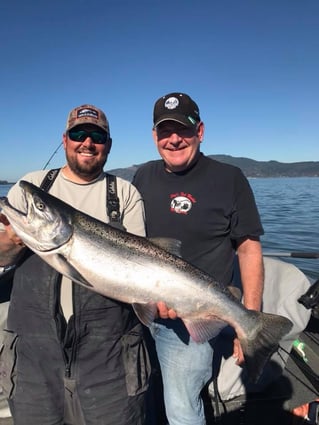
262 344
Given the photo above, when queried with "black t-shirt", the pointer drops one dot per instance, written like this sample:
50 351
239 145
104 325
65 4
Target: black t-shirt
207 208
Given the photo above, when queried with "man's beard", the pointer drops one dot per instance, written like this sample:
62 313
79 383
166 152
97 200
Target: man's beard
86 170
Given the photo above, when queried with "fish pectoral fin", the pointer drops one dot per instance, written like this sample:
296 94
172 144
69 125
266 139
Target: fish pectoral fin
202 330
173 246
145 312
236 292
69 271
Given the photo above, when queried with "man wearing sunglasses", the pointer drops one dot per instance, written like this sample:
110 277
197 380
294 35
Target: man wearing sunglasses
72 356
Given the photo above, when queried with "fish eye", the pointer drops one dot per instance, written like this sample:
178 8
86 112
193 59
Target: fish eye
40 206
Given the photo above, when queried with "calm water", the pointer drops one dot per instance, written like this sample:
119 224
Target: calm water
289 209
4 189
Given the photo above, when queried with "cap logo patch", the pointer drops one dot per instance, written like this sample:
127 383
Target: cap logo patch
171 103
87 112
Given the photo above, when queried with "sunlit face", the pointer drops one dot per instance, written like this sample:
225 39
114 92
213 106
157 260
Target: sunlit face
177 144
85 159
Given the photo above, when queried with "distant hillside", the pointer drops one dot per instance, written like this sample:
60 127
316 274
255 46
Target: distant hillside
125 173
250 168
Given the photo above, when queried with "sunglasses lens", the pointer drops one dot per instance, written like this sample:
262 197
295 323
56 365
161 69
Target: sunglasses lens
77 136
81 135
98 137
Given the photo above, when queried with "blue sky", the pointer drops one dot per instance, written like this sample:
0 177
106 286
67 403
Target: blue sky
251 65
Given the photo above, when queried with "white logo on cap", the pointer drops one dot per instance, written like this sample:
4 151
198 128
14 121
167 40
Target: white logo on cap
171 103
87 112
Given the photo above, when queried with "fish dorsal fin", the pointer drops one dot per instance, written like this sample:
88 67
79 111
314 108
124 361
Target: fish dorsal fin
173 246
202 330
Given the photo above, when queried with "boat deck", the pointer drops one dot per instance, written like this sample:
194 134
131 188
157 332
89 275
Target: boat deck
298 385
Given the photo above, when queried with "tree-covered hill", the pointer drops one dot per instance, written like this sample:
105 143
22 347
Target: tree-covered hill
250 167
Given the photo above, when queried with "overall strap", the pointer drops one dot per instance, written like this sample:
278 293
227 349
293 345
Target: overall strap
112 200
49 178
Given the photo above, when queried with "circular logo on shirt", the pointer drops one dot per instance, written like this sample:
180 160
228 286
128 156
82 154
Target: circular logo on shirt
181 205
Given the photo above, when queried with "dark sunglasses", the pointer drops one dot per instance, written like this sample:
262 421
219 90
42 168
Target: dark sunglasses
97 137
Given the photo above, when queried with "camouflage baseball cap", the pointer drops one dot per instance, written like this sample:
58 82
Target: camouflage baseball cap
87 114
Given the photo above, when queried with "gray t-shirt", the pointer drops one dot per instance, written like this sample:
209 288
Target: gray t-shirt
89 198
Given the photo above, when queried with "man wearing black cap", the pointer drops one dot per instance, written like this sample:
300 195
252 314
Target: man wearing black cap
210 208
70 355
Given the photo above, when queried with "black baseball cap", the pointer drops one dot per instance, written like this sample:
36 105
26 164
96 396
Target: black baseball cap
176 107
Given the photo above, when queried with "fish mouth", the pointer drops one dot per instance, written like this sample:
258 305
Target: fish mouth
38 226
20 217
4 204
4 201
16 218
25 186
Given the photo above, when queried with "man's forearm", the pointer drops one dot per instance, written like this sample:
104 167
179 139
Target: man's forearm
252 273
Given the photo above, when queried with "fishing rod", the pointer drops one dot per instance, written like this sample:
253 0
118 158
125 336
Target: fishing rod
49 160
295 254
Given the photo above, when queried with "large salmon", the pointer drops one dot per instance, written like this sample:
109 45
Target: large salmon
136 270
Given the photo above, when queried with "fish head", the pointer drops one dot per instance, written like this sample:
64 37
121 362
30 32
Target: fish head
44 226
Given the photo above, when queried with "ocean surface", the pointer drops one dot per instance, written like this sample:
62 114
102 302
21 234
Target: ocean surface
289 210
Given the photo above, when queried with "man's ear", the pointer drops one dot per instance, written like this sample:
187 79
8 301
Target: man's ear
64 138
154 134
109 145
201 131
